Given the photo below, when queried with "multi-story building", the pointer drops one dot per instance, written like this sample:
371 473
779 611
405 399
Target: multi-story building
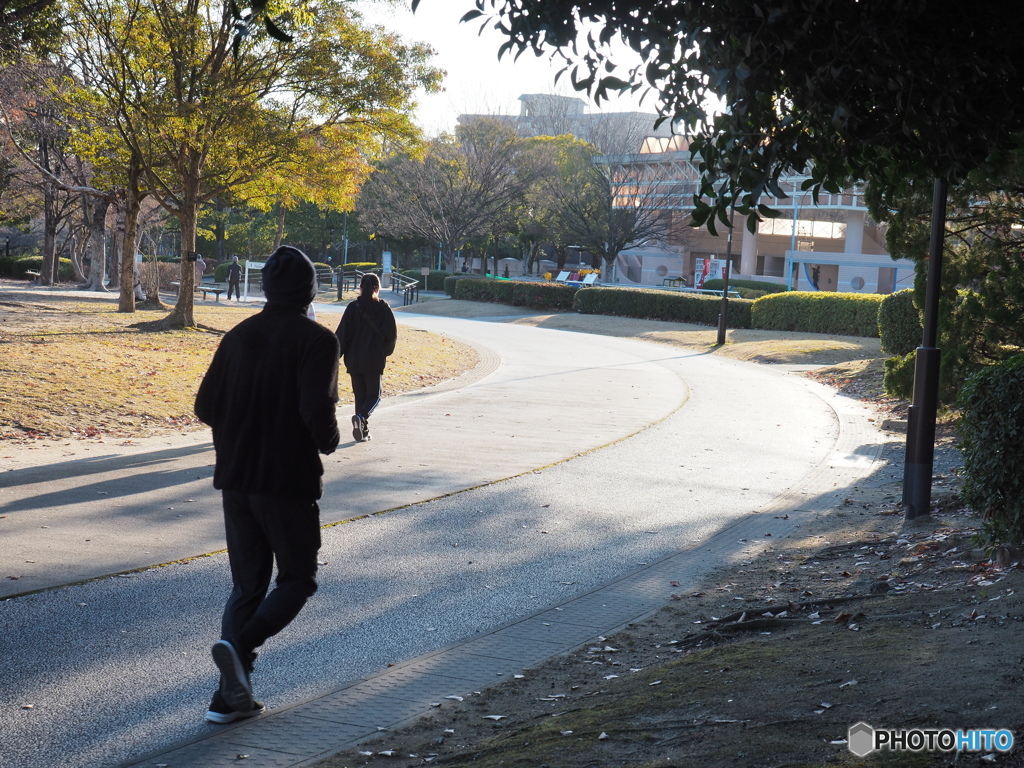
828 244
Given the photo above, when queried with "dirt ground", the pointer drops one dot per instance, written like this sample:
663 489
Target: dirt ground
861 617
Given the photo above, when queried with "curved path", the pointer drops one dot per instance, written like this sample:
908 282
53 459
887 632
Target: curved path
668 449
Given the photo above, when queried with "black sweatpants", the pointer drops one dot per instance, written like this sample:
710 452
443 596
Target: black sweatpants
367 390
261 530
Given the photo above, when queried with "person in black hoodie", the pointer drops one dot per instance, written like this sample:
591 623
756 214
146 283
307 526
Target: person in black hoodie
270 396
367 336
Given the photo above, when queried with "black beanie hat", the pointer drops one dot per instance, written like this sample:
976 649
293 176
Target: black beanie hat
289 277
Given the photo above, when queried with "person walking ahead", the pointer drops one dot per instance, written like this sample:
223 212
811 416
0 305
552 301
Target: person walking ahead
234 278
367 336
270 397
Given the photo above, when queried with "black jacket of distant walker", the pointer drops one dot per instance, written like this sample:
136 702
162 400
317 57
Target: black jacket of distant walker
367 334
270 396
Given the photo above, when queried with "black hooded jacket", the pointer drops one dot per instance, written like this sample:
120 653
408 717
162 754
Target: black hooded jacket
367 335
271 391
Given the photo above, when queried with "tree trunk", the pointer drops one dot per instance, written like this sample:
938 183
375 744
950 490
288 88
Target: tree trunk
183 314
116 246
47 273
96 216
279 236
129 247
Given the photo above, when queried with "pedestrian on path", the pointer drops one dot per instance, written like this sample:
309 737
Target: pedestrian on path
200 270
270 397
367 334
234 278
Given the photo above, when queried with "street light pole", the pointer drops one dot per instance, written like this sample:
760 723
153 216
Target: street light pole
920 451
723 313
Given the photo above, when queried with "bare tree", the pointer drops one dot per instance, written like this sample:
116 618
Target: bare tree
460 189
607 205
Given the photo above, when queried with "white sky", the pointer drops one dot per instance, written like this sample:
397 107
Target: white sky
476 82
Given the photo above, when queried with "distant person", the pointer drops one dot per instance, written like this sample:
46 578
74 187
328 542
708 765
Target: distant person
367 336
234 278
200 270
270 397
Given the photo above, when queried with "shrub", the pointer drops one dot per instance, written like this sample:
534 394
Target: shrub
754 285
451 280
484 289
553 296
660 305
898 379
19 266
991 431
899 323
845 314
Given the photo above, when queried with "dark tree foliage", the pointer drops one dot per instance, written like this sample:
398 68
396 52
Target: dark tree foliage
981 311
28 25
879 91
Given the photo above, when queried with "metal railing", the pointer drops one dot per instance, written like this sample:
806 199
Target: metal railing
409 287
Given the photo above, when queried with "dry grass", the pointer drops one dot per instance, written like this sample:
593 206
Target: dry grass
78 368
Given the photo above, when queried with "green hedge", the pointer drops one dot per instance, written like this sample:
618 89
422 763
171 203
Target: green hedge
754 285
16 267
899 323
483 289
451 280
661 305
991 431
551 296
844 314
436 280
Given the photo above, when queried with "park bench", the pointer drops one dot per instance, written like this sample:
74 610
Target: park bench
216 290
32 275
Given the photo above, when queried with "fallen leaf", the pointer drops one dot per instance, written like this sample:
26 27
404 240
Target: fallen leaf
495 717
456 698
603 735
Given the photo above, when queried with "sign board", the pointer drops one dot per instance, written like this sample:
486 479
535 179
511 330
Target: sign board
424 270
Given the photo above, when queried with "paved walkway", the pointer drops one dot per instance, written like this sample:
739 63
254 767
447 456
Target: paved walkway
676 466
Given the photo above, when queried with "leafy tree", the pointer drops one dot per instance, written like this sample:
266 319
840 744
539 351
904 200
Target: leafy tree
204 113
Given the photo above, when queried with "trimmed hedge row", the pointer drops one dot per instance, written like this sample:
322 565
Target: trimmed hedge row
845 314
483 289
661 305
520 293
553 296
754 285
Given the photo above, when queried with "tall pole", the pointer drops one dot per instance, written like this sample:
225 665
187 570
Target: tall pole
920 452
723 313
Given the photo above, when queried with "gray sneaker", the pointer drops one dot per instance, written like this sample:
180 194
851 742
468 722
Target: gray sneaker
357 428
234 682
